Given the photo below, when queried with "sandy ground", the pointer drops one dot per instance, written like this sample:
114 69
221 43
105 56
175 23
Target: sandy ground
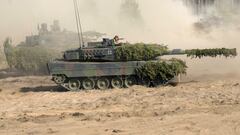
35 106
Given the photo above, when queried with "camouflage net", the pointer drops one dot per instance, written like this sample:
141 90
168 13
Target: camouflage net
163 70
199 53
139 51
28 59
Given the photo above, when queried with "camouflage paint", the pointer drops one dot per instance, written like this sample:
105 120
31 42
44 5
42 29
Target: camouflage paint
93 69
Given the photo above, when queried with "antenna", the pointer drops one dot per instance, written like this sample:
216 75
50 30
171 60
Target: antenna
78 21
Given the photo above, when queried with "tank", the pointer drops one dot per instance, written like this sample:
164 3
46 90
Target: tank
97 66
93 66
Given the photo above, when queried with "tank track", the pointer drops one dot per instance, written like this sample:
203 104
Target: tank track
102 83
65 85
71 84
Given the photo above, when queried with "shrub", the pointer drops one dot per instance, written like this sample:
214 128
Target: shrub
28 59
162 70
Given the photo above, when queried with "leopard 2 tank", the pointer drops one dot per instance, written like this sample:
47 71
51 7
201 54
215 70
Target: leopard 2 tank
96 66
108 64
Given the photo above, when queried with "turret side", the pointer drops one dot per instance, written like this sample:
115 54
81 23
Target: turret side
93 51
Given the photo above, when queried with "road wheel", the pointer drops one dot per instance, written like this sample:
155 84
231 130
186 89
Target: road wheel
117 82
59 79
130 81
146 82
103 83
74 84
88 84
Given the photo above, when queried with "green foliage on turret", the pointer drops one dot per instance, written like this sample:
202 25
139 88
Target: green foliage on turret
139 51
145 52
163 70
199 53
28 59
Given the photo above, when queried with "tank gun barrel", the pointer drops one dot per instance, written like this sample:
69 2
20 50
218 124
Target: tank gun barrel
199 53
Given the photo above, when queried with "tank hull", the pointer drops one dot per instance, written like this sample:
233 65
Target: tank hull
75 76
93 69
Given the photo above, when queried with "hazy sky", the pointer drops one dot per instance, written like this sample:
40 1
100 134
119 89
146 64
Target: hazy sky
20 18
163 21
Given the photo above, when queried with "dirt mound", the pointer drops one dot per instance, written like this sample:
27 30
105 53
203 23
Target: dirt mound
34 105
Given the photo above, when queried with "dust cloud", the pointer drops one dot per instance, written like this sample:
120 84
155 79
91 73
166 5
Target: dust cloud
171 22
166 22
217 23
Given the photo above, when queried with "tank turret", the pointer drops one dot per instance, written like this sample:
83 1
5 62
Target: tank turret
110 51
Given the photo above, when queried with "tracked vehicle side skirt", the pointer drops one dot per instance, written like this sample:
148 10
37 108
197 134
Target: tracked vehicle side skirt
75 76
